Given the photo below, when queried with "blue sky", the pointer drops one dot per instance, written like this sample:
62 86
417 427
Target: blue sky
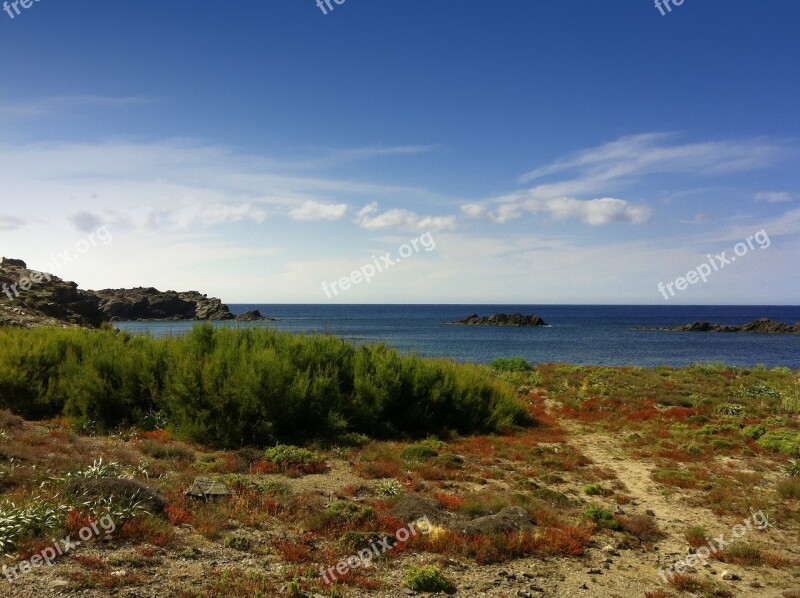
558 152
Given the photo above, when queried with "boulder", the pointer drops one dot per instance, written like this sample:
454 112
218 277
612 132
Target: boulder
510 519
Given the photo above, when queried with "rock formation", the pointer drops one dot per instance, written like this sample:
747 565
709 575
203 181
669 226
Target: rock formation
761 326
29 298
502 320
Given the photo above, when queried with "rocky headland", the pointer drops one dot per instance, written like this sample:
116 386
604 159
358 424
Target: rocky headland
30 298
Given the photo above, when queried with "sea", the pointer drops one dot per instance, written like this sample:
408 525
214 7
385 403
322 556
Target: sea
576 334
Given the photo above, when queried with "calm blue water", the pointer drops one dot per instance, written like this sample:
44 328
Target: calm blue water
580 334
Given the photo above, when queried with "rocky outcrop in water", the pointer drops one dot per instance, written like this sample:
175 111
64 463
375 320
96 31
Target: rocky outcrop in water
254 316
502 320
761 326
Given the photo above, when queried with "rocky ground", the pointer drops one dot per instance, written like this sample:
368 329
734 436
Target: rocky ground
666 472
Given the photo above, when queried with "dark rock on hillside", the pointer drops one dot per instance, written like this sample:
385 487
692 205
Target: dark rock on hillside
502 320
152 304
253 316
30 298
761 326
8 262
510 519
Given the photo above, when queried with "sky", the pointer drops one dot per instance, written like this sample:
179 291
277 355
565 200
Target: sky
520 152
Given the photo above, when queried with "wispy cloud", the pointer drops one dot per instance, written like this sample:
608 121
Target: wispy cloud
9 223
58 105
773 197
652 153
313 210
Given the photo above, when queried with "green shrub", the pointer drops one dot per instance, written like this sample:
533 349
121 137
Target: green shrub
792 468
288 458
343 513
247 387
594 490
511 364
756 391
713 367
418 452
428 579
731 409
237 542
789 488
601 517
784 441
755 432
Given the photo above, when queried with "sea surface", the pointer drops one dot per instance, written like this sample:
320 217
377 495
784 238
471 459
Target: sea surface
578 334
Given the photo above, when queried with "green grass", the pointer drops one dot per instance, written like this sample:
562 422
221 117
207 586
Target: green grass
247 387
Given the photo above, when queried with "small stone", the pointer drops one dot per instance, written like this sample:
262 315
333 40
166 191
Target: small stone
728 576
594 572
650 512
537 589
610 550
583 587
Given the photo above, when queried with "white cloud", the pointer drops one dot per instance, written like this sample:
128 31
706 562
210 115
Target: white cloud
773 197
314 210
594 212
473 210
370 218
593 174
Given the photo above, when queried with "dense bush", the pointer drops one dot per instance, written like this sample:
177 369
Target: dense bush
234 388
784 441
511 364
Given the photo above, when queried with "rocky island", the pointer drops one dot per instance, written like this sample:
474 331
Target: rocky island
516 320
760 326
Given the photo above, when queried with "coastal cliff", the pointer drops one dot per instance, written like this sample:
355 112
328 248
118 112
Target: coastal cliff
30 298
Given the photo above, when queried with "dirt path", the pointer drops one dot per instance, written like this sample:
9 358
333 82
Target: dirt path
674 516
